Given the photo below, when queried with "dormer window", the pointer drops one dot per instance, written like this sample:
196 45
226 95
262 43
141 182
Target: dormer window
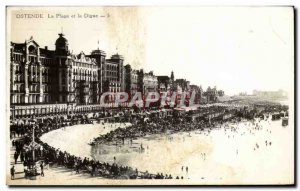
32 49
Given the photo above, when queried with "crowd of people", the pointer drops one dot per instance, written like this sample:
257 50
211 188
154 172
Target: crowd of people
172 124
154 125
22 139
53 156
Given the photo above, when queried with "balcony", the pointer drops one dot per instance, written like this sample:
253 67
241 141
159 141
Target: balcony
19 81
17 91
19 72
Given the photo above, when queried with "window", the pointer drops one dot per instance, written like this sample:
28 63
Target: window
31 49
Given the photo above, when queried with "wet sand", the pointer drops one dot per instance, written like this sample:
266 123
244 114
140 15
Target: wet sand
75 139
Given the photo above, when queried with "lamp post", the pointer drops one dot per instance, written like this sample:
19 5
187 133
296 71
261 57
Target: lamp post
33 154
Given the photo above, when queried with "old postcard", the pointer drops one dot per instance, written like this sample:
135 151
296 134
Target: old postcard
150 96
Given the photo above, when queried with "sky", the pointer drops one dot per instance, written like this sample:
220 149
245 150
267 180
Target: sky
236 49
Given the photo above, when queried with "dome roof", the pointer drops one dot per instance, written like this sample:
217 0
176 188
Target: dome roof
117 56
61 41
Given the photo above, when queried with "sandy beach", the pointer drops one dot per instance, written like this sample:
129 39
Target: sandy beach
221 156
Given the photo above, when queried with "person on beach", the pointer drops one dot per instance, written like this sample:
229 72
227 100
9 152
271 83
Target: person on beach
93 169
42 169
77 168
16 155
12 172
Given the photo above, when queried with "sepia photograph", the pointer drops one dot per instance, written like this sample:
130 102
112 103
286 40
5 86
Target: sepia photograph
150 95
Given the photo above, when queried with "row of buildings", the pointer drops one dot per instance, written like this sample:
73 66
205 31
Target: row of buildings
271 94
44 81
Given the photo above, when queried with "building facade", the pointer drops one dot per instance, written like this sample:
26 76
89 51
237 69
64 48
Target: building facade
164 84
44 81
150 83
134 82
212 94
30 73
